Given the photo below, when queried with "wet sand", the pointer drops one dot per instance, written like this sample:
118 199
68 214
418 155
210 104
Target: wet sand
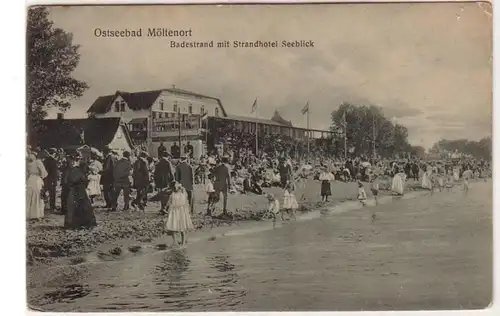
49 242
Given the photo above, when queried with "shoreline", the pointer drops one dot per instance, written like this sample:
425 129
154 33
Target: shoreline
54 245
48 272
355 234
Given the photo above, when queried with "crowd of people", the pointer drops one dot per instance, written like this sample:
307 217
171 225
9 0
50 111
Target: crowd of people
170 179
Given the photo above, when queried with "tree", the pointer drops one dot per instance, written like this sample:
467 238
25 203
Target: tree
417 151
366 126
51 59
479 149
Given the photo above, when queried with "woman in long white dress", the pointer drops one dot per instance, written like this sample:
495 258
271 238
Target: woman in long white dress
36 173
426 179
456 174
398 183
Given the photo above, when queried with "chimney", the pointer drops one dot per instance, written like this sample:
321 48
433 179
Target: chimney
60 116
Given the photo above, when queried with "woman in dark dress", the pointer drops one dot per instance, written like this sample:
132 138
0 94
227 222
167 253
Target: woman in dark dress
326 189
79 212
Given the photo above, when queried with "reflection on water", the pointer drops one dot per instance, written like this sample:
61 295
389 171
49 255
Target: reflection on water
322 264
169 275
67 293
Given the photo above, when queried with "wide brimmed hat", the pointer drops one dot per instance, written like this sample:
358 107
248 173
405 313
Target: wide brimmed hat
75 155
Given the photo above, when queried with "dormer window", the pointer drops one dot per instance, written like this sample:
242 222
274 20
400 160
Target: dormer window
190 109
216 112
117 106
175 107
202 109
161 105
122 106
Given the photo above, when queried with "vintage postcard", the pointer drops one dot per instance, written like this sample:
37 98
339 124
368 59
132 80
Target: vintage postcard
319 157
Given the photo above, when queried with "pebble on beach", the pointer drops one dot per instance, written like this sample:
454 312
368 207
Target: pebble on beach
134 248
161 246
77 260
116 251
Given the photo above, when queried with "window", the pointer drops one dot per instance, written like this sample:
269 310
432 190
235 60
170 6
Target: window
216 112
122 106
202 110
161 105
190 109
175 107
117 106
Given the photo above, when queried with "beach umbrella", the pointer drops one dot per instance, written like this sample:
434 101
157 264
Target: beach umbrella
365 164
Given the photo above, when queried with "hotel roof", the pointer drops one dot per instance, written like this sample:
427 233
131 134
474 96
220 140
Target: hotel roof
141 100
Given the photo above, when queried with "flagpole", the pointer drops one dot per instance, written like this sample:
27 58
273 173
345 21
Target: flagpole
256 131
149 132
206 134
345 137
373 135
308 135
180 134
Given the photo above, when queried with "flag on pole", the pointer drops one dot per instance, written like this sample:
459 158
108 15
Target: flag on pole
305 109
254 106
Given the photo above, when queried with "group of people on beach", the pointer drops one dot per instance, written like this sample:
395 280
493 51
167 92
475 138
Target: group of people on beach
41 176
172 181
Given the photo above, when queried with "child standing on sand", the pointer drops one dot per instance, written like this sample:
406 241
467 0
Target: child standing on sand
361 193
179 215
273 206
448 183
375 187
94 186
290 204
212 196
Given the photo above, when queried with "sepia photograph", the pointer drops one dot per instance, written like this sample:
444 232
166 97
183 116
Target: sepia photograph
291 157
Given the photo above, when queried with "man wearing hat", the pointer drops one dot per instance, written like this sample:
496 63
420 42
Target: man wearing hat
121 180
175 150
184 175
285 171
50 182
141 180
222 181
107 177
161 150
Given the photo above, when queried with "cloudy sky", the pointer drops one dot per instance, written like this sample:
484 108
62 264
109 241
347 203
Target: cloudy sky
428 65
